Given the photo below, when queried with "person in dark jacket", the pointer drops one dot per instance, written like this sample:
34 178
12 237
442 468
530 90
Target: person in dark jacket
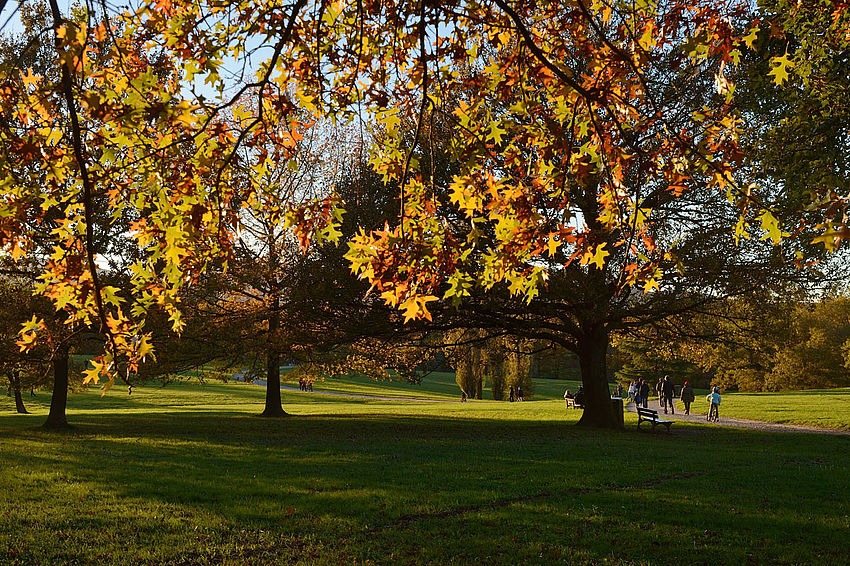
687 397
667 394
644 392
579 398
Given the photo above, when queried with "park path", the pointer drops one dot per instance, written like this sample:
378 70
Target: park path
739 423
724 421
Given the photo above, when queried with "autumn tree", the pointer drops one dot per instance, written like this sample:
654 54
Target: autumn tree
794 91
597 183
269 258
84 134
785 346
33 50
23 371
814 355
466 352
478 358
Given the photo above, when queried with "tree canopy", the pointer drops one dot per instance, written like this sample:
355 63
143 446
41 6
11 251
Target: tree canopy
596 177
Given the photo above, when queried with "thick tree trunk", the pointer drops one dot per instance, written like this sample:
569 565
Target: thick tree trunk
592 347
58 402
274 407
15 382
19 403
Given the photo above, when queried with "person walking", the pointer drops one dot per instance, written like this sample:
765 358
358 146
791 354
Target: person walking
660 393
714 410
667 394
631 391
687 397
644 392
518 393
511 395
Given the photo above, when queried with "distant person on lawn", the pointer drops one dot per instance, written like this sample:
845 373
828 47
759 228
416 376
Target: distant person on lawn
518 393
631 391
667 394
714 399
567 396
511 397
660 391
687 397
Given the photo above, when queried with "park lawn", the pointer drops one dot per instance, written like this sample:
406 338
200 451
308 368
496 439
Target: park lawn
434 385
188 474
827 408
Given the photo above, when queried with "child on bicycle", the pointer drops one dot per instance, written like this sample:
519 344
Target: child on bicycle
714 399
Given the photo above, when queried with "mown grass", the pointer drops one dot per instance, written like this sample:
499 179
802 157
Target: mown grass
827 408
188 475
434 385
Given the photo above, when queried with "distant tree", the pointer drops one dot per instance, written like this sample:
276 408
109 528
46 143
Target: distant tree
477 357
24 371
649 354
762 342
813 355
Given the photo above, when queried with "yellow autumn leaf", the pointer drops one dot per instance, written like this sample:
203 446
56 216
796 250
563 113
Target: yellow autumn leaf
598 258
780 71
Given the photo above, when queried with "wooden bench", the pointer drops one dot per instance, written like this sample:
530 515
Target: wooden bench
571 403
651 415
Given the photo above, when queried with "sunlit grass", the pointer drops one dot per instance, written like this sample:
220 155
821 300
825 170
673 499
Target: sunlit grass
829 408
188 474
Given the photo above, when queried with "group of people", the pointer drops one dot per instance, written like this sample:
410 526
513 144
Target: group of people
578 398
515 394
305 384
639 394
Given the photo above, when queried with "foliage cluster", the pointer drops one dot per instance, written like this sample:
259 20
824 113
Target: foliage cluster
505 361
748 345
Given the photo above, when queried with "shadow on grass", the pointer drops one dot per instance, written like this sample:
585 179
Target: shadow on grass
409 488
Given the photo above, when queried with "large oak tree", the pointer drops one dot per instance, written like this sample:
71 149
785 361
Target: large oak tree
597 182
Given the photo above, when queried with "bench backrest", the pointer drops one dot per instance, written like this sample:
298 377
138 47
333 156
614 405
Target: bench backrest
647 412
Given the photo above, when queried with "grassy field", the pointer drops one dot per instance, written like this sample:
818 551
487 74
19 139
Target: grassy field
188 475
435 385
829 408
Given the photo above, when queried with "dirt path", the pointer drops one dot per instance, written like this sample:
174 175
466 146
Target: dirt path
739 423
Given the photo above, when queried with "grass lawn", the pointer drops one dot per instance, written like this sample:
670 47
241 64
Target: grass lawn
828 408
188 475
435 385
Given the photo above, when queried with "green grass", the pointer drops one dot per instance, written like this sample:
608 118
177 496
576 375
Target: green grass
828 408
435 385
188 475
